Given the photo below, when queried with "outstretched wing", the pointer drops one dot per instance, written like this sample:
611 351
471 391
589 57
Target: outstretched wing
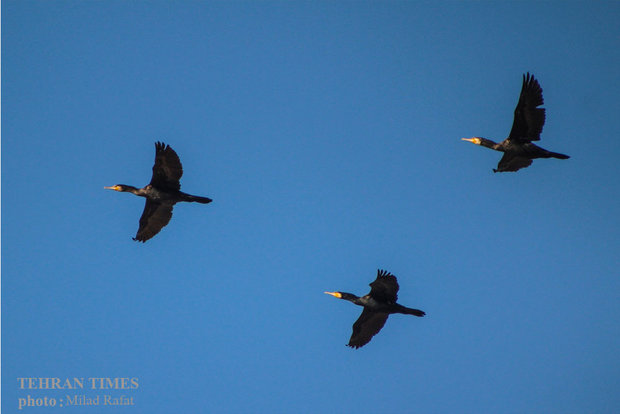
384 288
167 170
529 119
154 217
367 325
511 162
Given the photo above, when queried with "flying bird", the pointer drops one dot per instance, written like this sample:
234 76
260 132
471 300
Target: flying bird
518 149
378 305
161 194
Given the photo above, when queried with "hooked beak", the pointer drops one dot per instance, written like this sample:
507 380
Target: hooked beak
472 140
114 187
335 294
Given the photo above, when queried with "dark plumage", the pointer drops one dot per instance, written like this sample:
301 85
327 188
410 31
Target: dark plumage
518 149
378 305
161 194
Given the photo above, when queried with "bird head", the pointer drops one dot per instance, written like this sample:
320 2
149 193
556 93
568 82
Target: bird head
343 295
120 187
474 140
117 187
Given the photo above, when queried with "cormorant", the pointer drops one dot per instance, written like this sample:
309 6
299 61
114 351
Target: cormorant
161 194
518 149
378 305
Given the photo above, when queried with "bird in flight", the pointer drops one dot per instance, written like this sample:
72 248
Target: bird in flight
518 149
378 305
161 194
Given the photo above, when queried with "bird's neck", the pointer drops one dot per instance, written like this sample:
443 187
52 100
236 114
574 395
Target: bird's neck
134 190
490 144
352 298
359 301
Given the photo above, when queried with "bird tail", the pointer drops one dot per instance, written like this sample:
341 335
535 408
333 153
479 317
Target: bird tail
559 156
416 312
409 311
197 199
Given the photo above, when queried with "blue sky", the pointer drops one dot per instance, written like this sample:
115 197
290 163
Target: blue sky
328 135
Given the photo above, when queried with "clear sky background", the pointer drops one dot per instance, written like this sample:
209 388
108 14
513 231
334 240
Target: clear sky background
328 135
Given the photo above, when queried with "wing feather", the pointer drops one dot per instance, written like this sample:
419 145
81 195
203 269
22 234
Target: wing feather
367 325
154 217
511 162
529 119
385 287
167 170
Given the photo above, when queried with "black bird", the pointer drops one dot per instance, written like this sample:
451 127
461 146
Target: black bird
378 305
518 149
161 194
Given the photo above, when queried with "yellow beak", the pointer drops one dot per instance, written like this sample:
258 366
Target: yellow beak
472 140
114 187
335 294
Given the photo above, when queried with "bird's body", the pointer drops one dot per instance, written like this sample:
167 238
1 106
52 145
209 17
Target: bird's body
156 195
161 194
378 305
518 149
